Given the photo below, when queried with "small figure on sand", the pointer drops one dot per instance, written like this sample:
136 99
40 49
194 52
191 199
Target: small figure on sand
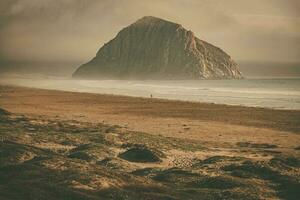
151 96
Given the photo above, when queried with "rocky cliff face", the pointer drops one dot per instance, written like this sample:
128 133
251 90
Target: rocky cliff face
153 48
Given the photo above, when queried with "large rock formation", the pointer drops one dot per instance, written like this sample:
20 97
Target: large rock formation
154 48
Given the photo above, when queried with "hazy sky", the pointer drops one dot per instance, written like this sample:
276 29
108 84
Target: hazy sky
73 30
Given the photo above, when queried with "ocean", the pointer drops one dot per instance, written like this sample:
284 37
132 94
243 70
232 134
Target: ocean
276 93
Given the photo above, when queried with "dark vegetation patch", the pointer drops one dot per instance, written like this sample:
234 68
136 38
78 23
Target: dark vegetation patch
111 129
195 185
216 159
157 152
297 148
27 182
270 152
142 192
140 154
257 145
3 112
175 176
218 182
161 142
116 164
81 155
91 147
190 179
104 161
12 152
285 161
4 115
249 169
146 172
287 186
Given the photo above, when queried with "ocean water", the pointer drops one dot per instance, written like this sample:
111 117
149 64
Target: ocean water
283 93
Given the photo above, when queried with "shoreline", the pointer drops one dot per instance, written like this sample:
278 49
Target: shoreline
154 98
155 116
170 98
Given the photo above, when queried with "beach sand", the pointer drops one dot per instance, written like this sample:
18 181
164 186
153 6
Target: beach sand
182 133
205 122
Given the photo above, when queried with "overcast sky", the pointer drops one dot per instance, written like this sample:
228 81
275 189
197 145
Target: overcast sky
73 30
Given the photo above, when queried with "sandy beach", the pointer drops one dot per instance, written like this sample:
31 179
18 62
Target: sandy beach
200 121
181 133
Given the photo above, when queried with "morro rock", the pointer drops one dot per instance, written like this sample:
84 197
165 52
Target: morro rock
154 48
